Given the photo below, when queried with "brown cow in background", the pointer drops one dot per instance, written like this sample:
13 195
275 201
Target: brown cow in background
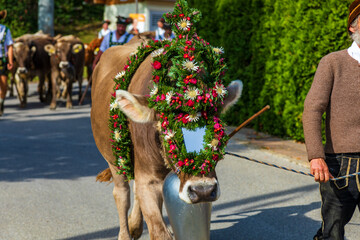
67 64
31 60
91 50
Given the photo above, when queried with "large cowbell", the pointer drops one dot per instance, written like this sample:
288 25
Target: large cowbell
188 221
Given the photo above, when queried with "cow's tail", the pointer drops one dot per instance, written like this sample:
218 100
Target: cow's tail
104 176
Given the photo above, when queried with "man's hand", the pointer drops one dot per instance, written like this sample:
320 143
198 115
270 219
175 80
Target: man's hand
320 170
10 66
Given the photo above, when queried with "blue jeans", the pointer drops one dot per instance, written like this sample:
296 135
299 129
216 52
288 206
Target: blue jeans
339 198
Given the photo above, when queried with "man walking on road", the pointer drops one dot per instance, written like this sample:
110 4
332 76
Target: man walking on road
336 91
6 59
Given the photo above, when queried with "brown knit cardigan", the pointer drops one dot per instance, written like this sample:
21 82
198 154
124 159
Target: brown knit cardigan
336 91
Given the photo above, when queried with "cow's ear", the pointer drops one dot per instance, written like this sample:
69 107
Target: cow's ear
17 46
134 106
50 49
234 93
77 48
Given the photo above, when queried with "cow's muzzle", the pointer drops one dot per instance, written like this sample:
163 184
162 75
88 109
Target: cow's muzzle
206 190
21 70
64 64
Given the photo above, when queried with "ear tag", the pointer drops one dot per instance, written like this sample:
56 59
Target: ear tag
194 140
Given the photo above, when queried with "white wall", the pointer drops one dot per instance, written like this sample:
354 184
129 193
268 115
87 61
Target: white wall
147 8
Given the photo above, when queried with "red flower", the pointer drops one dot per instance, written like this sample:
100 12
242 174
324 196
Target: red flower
126 67
156 79
181 15
190 103
157 65
180 163
193 80
184 119
186 55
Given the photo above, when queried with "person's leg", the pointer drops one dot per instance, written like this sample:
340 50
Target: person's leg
3 89
339 199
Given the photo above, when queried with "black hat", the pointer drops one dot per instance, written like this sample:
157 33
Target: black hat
167 26
123 20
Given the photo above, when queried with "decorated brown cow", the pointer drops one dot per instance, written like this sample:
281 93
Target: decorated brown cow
146 97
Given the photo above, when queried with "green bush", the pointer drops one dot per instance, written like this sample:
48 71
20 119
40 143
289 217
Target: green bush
274 47
23 15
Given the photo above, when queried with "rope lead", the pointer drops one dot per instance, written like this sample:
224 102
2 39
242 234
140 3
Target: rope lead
289 169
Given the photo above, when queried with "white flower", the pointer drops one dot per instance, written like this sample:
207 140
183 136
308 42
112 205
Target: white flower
219 50
114 105
157 53
214 144
117 136
192 93
154 91
184 24
170 134
169 96
193 117
133 53
120 75
190 65
220 90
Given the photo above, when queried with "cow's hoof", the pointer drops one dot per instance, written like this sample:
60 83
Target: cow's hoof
22 105
69 105
136 230
52 106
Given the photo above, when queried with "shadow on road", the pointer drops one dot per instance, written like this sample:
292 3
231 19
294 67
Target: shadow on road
53 149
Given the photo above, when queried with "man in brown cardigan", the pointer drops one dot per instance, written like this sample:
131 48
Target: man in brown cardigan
336 91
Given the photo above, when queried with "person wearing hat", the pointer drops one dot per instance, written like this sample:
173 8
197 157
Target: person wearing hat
6 59
115 37
105 29
336 91
167 35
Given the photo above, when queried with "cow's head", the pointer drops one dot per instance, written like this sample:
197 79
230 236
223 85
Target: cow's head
194 188
64 51
23 54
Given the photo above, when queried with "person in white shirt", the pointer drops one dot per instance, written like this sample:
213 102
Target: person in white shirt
160 30
105 29
115 37
6 59
168 33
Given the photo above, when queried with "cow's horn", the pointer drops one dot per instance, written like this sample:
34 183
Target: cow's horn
33 49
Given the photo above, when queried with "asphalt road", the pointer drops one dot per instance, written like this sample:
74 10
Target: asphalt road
48 164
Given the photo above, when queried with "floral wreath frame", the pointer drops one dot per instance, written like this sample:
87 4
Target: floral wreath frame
187 92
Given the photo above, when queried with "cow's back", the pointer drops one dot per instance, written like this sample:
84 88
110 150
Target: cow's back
112 62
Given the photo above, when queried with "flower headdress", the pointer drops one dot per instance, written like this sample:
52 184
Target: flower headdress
188 91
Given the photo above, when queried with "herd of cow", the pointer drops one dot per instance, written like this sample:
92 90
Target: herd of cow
57 61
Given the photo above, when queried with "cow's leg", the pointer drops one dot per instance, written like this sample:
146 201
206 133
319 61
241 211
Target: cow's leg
80 87
54 87
149 192
41 87
135 218
69 93
121 194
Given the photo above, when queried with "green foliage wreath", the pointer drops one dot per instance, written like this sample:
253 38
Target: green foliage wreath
187 93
